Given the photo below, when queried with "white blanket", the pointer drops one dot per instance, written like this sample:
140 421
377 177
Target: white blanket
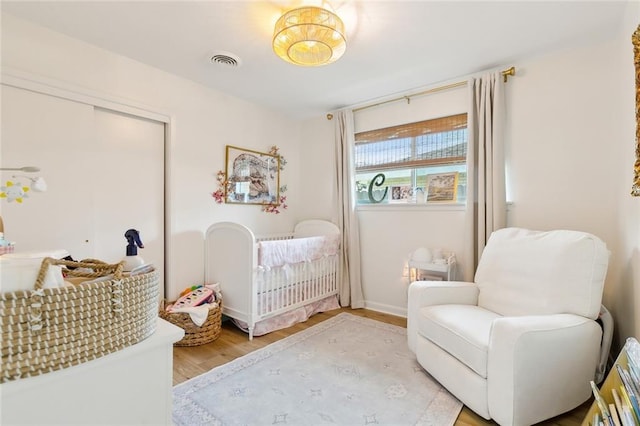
296 250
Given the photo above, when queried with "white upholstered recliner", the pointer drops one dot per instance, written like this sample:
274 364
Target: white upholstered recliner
520 344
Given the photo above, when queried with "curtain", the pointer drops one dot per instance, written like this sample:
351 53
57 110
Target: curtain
486 194
351 284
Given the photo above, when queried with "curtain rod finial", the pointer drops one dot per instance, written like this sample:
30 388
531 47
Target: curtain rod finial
329 116
509 72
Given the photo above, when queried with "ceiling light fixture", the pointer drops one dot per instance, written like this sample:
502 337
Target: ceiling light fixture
309 36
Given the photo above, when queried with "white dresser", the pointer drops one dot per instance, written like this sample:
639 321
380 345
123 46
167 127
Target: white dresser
129 387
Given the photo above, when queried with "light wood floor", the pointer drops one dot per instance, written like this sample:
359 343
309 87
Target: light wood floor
189 362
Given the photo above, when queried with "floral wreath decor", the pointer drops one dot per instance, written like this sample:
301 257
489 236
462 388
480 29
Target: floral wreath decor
223 185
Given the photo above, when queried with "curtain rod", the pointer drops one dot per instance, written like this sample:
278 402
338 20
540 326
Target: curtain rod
506 73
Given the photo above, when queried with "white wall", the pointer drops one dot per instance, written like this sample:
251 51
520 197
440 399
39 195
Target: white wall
571 140
203 121
317 177
625 292
628 296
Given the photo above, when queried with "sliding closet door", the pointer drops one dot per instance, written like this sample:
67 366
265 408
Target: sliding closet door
52 134
104 171
130 175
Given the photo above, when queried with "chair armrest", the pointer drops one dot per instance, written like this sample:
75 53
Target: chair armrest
427 293
540 366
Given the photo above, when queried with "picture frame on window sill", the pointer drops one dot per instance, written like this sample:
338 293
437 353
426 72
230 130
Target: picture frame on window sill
442 187
400 194
253 177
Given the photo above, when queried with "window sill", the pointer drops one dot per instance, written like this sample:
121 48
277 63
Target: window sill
411 207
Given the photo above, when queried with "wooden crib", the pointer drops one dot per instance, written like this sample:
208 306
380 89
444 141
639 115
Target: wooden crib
264 277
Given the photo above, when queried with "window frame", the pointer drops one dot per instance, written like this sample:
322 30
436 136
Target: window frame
434 153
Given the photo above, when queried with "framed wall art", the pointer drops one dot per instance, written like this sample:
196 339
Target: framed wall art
442 188
635 186
252 177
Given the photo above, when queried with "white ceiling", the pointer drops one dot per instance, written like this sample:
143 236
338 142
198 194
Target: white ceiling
393 46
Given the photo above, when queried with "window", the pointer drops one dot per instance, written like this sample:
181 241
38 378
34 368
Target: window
405 156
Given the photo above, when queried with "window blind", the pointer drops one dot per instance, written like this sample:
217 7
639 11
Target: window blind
424 143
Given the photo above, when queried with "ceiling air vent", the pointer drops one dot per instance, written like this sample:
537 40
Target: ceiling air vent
226 59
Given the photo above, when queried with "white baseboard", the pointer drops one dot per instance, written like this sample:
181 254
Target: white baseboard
386 309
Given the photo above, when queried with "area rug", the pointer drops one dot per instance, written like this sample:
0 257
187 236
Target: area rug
347 370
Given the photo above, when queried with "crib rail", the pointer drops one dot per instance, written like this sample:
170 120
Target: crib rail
274 237
285 288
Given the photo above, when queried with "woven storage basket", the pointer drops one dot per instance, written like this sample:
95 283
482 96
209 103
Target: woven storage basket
196 335
44 330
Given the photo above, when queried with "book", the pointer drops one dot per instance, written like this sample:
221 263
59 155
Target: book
625 397
628 387
602 405
635 380
617 401
627 416
634 369
614 415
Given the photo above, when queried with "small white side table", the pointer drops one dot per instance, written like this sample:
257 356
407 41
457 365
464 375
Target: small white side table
447 267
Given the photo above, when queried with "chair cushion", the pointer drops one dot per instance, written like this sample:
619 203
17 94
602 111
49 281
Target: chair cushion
524 272
461 330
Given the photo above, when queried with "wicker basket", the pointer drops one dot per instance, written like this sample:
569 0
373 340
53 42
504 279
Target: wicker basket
44 330
196 335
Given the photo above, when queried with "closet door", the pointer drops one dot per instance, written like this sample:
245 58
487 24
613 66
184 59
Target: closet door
52 134
104 171
129 182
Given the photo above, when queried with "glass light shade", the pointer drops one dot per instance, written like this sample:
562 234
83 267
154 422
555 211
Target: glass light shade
309 36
